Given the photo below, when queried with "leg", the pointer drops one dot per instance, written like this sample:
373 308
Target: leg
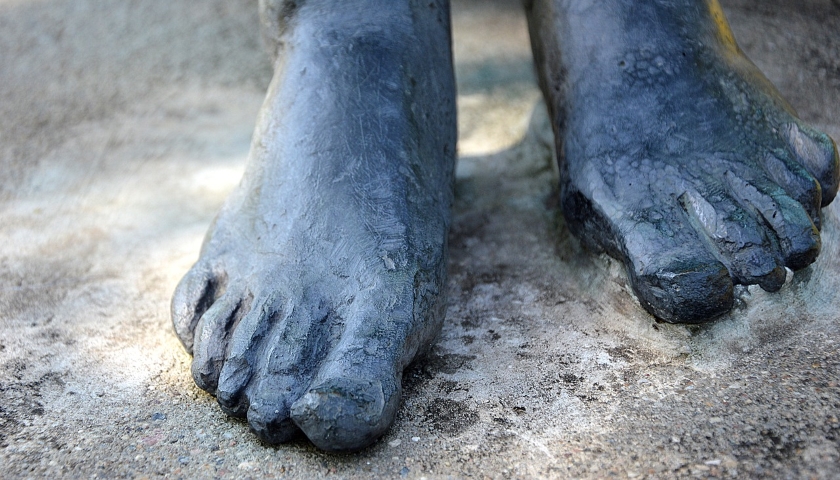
677 155
322 277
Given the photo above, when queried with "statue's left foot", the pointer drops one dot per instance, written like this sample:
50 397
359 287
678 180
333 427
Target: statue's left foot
677 155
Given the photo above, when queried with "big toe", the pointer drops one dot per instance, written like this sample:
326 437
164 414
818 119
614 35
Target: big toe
674 273
346 414
353 398
694 290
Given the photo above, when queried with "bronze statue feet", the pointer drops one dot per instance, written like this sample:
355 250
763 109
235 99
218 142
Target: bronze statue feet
678 156
322 277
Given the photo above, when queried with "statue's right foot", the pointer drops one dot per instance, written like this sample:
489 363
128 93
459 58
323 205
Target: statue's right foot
677 155
322 277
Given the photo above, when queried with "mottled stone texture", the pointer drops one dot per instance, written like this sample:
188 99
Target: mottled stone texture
124 126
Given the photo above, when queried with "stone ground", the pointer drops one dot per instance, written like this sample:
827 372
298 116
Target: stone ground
124 124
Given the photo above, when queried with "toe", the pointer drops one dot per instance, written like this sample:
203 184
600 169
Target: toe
797 182
268 412
691 290
195 293
742 244
799 239
355 395
240 360
674 274
817 152
211 340
346 414
230 393
296 345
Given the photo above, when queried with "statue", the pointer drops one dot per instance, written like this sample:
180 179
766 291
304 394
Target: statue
322 277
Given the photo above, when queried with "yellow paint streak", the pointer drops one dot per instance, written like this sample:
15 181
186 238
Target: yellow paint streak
724 32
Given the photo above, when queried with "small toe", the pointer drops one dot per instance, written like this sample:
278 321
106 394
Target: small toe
294 348
756 265
742 244
230 393
797 182
240 360
818 153
268 412
799 239
211 338
195 293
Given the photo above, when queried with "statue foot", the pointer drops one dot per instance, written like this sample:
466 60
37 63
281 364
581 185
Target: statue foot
322 277
677 155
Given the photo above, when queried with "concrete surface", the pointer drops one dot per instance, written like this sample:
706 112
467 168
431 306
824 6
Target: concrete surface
123 125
